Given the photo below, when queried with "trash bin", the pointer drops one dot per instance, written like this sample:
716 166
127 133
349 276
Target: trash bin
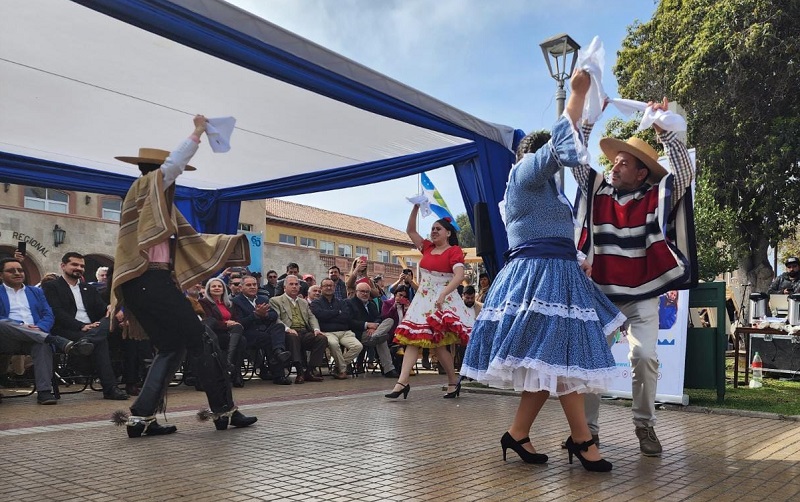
705 347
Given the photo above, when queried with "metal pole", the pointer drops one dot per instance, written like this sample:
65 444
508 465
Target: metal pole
561 98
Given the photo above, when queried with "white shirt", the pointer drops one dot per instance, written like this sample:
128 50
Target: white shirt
81 314
19 308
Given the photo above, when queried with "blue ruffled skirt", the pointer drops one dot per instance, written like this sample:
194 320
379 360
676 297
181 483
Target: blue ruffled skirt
543 326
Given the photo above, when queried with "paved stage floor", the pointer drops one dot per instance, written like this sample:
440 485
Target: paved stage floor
342 441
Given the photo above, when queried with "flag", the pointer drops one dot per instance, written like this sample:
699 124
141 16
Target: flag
430 200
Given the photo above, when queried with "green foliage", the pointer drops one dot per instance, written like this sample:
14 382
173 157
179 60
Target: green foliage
466 238
734 67
718 247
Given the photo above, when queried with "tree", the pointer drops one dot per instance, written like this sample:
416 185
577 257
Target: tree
734 67
466 238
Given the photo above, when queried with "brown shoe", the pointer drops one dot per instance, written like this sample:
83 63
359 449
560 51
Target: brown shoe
340 376
299 379
310 377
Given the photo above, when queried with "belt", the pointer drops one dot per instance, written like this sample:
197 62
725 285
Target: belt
158 266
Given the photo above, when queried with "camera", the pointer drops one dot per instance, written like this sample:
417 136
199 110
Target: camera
407 271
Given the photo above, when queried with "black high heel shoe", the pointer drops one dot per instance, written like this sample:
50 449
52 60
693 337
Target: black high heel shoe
455 393
573 448
530 458
396 393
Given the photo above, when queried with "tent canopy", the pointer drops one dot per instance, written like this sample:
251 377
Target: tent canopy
85 81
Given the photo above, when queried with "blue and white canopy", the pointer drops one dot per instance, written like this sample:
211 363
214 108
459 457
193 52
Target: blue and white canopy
84 81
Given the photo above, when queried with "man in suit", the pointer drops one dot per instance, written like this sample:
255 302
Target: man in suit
262 329
368 326
302 330
25 322
81 314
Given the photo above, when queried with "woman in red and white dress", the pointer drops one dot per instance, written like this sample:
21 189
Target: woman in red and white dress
437 316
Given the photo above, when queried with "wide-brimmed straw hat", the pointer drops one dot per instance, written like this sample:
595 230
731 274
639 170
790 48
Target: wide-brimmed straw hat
639 149
151 156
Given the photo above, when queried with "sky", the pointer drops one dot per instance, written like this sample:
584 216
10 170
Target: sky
480 56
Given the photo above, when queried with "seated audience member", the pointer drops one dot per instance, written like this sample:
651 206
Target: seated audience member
50 276
395 308
262 330
334 321
220 316
358 273
25 322
292 269
371 329
406 279
310 280
235 284
302 330
270 288
789 281
483 286
313 293
339 286
101 274
81 314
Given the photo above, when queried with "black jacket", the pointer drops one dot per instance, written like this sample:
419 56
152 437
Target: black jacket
333 315
59 296
359 315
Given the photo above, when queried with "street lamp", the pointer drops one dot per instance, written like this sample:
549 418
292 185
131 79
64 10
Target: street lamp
559 48
59 234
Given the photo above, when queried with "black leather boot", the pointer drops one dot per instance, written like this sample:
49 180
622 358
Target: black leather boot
235 347
210 365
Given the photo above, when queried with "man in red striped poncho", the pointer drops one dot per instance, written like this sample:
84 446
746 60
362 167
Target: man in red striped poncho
638 234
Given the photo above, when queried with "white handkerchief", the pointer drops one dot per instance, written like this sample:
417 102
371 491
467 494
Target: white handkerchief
667 120
592 59
424 204
219 132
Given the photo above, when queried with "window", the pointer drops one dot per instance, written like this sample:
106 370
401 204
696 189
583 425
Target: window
362 251
346 250
287 239
308 242
112 208
47 199
326 247
396 260
383 256
246 227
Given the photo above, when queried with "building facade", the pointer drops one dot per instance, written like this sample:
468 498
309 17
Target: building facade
286 232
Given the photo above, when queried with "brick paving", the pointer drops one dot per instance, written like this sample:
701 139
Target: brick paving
343 441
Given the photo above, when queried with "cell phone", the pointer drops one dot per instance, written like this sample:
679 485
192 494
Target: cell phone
22 247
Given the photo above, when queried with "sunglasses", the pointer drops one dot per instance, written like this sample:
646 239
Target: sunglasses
236 284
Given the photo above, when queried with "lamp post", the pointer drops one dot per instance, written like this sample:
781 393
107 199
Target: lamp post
559 48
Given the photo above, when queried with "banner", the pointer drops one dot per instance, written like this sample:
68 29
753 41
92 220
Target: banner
256 251
673 321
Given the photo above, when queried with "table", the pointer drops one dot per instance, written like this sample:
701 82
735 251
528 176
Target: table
746 332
